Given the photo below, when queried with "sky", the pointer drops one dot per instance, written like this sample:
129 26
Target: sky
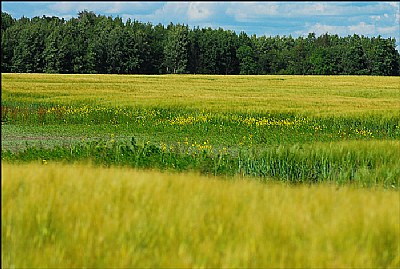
259 18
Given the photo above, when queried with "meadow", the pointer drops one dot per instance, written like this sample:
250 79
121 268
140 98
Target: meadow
83 216
344 129
200 171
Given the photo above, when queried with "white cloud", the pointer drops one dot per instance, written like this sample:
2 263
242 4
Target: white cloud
394 4
301 9
198 11
266 8
320 29
375 18
103 7
309 9
252 11
63 7
75 7
169 12
362 28
258 11
390 30
115 8
125 7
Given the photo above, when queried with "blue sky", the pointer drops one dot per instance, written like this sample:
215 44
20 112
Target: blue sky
260 18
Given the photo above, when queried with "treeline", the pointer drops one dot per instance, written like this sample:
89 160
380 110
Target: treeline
94 43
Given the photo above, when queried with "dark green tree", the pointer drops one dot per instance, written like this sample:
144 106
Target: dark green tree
354 61
248 65
93 43
7 41
176 49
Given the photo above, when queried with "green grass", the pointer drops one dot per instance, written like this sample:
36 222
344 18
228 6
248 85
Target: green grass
251 119
364 164
176 123
75 216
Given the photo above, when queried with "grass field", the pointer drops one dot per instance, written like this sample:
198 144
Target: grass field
314 95
229 171
295 128
79 216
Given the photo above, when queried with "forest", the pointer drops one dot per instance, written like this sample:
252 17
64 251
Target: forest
99 44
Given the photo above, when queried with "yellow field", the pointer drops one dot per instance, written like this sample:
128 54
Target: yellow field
78 216
316 95
74 216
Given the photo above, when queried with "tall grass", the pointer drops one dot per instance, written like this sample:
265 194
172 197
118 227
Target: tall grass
62 216
365 164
